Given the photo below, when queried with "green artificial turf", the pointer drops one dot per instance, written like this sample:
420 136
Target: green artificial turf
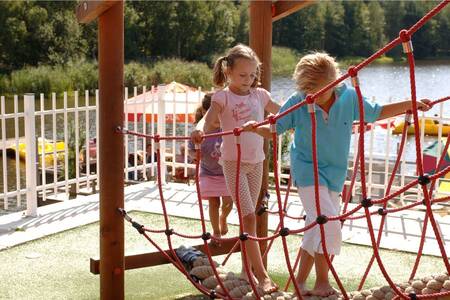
57 267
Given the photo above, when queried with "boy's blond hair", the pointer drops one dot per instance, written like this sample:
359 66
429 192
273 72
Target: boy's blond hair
314 67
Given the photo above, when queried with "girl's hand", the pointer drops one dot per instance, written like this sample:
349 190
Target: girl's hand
197 136
424 104
249 126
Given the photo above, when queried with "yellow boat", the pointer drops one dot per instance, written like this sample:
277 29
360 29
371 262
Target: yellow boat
431 127
48 148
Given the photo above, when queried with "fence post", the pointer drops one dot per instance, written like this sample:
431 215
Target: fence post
161 129
30 150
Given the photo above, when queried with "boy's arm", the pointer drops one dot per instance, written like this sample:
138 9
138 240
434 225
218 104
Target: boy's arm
398 108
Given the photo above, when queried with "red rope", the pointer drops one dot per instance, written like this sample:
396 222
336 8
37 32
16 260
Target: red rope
388 190
404 38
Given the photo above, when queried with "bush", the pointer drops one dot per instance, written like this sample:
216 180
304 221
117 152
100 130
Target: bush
84 76
191 73
47 79
284 61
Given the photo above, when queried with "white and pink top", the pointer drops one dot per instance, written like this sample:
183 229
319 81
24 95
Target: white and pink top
235 111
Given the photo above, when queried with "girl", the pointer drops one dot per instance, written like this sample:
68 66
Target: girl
212 181
240 101
336 109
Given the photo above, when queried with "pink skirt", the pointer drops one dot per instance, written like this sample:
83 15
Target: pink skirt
213 186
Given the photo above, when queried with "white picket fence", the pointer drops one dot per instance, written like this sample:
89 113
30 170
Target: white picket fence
73 120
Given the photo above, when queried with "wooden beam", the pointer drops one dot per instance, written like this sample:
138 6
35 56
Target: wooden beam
88 11
156 258
284 8
261 43
111 152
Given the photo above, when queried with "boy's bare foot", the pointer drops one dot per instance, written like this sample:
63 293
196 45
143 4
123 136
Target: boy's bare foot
223 225
268 286
303 290
323 290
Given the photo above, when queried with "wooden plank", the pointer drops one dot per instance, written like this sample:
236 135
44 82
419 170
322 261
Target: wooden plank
284 8
87 11
156 258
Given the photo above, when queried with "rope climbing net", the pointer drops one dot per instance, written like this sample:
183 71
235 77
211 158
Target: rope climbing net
425 182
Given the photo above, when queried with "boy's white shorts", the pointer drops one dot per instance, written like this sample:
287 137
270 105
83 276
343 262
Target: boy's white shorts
329 206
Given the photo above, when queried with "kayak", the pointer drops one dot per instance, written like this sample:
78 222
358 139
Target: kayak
431 127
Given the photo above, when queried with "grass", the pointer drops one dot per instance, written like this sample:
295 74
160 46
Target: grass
348 61
57 266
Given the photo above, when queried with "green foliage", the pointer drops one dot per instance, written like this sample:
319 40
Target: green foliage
40 34
283 61
194 74
46 79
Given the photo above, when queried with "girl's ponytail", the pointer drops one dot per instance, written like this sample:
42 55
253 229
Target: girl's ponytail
219 77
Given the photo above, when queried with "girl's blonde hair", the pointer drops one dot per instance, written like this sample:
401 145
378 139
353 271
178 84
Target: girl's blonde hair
315 67
224 62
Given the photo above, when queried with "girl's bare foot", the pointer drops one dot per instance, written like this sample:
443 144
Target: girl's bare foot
268 286
214 242
244 276
223 225
303 290
323 290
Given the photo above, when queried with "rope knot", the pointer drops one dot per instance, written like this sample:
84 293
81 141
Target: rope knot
424 179
322 219
404 35
168 231
367 202
206 236
352 72
272 119
309 99
243 236
382 211
284 231
237 131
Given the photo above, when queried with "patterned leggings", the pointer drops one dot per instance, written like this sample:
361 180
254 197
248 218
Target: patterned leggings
249 184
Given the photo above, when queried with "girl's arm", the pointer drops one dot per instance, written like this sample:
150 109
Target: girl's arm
398 108
272 107
263 131
208 123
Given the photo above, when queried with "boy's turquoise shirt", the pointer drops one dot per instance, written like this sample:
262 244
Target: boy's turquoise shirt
333 137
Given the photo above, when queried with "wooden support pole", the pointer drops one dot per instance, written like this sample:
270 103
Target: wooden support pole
261 43
111 114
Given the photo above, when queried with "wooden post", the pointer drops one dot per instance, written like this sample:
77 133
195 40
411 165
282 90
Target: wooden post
261 43
111 115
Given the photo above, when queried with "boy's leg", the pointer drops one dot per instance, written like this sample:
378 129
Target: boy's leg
306 263
214 205
227 205
322 286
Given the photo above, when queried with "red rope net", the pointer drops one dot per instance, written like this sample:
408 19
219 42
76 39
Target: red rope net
426 183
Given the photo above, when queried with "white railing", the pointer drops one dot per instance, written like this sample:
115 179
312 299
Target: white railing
149 111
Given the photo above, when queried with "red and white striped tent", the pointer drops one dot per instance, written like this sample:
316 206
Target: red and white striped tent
180 102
